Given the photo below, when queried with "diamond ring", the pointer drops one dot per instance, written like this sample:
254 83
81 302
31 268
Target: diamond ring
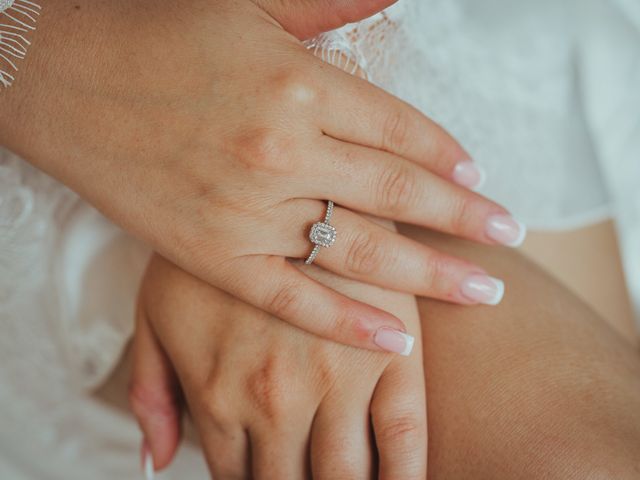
322 234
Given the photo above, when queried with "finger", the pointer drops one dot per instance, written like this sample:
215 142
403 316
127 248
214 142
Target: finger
388 186
274 285
367 252
224 440
399 417
359 112
280 453
154 396
226 452
341 446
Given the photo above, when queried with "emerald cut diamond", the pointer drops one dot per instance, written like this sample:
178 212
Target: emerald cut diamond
322 234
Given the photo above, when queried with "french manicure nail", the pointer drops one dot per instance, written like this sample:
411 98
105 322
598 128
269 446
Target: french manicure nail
506 230
148 461
394 341
483 289
469 174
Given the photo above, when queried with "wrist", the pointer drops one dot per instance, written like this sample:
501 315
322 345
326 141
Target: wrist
62 59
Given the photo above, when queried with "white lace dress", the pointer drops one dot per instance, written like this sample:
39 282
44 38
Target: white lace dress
544 94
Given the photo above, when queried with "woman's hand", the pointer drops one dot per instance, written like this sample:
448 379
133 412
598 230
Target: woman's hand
270 401
208 131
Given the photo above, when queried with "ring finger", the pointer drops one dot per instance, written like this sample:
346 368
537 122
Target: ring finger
368 252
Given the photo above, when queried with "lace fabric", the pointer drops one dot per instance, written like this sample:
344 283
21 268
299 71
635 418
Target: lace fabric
17 20
543 94
67 285
505 89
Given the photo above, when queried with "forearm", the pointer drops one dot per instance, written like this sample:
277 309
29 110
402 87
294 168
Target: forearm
85 106
80 68
60 52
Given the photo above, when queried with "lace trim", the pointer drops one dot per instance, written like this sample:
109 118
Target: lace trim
17 19
337 50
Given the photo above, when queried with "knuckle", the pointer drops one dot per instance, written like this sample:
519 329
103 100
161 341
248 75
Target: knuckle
285 301
324 375
366 254
294 88
346 329
461 214
397 190
264 149
341 325
268 389
435 274
213 403
395 131
402 432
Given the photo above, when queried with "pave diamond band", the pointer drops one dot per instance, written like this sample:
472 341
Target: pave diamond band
322 234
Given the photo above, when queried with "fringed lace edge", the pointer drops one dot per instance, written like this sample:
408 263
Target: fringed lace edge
334 48
17 19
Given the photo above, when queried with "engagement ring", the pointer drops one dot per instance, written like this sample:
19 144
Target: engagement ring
322 234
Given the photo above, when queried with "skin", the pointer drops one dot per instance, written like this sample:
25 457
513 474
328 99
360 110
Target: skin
568 257
238 369
539 387
207 130
104 130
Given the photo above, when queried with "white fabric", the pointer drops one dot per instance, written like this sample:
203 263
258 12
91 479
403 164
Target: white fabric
68 280
543 94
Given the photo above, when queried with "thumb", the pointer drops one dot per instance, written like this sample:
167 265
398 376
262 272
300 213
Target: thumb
154 399
306 18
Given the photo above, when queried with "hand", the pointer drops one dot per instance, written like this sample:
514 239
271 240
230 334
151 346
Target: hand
267 399
208 131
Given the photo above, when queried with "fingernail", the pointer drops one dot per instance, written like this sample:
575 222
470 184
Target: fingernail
394 341
147 461
469 174
506 230
483 289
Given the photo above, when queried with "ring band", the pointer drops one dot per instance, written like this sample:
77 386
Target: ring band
322 234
